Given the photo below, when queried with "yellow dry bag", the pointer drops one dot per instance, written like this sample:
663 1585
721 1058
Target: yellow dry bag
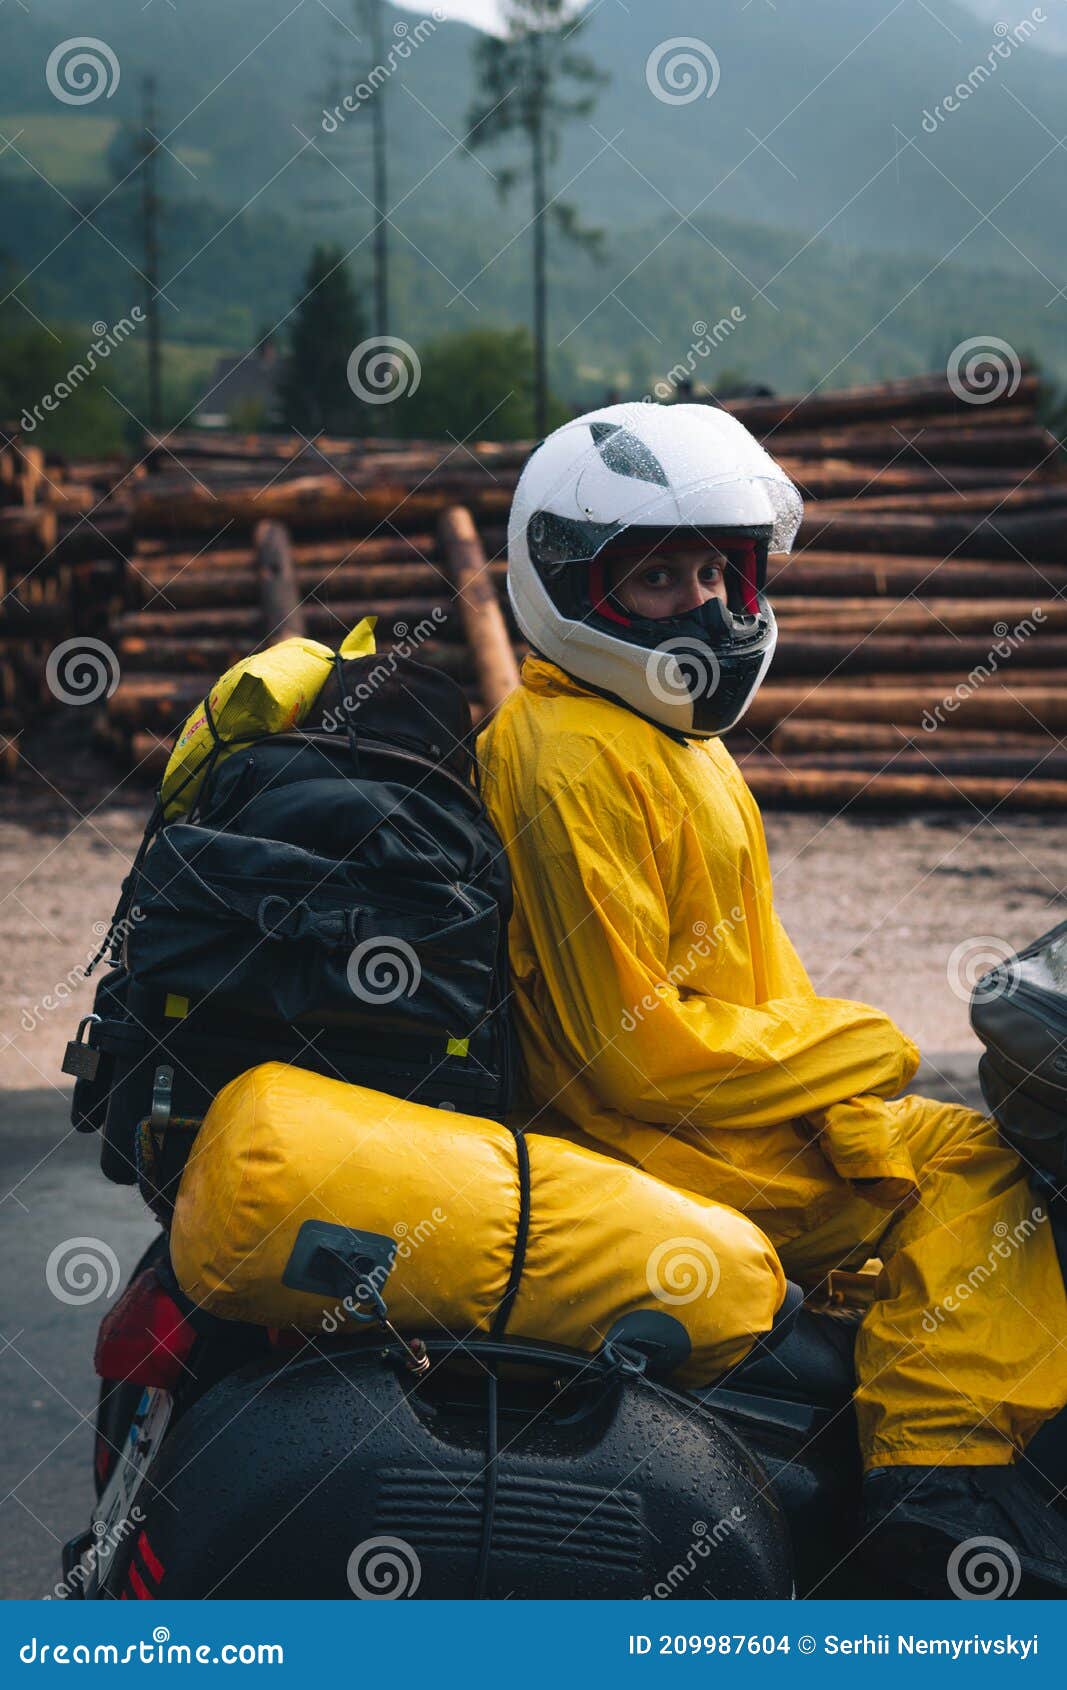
287 1159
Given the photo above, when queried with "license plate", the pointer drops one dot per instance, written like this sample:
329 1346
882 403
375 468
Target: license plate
111 1523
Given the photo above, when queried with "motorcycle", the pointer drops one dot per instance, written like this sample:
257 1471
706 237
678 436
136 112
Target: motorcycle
238 1461
271 1467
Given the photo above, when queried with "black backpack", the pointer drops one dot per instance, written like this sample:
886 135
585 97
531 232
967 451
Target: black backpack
338 900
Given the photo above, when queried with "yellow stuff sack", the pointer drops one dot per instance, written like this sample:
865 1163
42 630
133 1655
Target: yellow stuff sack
281 1147
263 694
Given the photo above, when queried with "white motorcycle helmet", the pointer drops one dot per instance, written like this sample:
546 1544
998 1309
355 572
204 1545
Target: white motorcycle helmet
624 482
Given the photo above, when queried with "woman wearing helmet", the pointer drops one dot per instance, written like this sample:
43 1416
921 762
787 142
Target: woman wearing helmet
662 1011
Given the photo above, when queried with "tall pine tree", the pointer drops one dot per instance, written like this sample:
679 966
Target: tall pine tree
523 77
326 326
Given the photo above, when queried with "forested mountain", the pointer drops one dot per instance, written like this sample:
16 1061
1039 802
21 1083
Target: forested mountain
823 189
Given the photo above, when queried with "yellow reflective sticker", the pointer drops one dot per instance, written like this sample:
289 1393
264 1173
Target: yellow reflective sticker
457 1047
176 1006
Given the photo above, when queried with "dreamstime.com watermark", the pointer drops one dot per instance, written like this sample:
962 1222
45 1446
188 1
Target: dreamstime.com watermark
107 339
1009 37
704 943
82 1270
704 1540
82 670
95 1558
681 671
360 1305
160 1651
1007 640
982 968
705 340
984 1569
682 70
682 1270
407 39
81 69
383 968
383 368
383 1569
984 368
64 990
1008 1240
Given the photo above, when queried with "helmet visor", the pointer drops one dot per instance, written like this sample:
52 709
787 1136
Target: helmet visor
555 538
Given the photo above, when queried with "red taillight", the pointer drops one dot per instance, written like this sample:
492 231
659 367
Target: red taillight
145 1338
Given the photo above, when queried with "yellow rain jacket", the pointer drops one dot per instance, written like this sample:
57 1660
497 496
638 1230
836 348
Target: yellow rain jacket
660 1003
664 1015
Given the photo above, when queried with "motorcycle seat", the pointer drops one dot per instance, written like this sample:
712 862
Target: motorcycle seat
805 1357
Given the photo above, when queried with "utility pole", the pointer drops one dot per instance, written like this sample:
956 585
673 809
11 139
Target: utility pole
379 141
150 232
540 195
526 88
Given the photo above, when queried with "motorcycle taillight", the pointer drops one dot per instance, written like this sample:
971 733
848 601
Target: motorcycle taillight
145 1338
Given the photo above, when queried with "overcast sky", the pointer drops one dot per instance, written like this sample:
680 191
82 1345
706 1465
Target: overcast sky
486 12
483 12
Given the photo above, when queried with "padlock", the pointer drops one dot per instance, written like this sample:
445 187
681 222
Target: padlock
82 1060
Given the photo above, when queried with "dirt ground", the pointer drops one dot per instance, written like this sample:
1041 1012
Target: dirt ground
900 913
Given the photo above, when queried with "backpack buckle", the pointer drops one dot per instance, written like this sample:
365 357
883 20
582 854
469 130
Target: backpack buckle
292 922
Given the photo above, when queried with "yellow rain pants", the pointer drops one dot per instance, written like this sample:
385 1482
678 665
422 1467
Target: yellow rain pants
664 1015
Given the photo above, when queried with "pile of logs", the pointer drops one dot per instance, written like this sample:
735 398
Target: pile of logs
922 628
923 633
191 613
58 576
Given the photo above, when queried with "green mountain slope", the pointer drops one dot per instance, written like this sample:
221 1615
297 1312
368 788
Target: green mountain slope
804 195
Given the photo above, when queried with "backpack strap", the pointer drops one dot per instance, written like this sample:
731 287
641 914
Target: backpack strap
152 827
107 943
343 712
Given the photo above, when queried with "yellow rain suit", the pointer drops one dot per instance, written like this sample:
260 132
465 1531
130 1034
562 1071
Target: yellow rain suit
664 1015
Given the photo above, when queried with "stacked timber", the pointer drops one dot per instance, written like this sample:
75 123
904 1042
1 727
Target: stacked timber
923 639
60 579
193 610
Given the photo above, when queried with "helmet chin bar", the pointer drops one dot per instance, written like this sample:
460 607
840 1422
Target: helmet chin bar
712 623
712 663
